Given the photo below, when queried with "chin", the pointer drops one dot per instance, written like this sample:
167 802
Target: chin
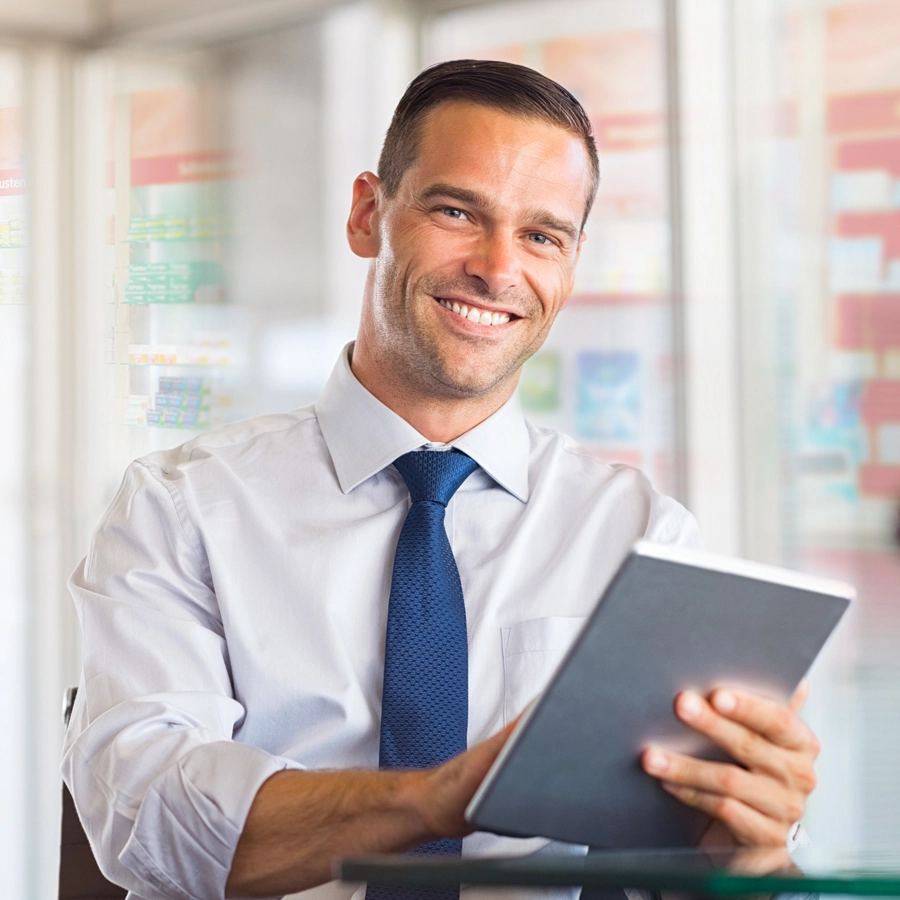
470 377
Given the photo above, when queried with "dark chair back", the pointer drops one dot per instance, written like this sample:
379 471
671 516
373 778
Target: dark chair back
80 877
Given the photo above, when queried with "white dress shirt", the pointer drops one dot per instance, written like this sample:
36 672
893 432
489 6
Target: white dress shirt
234 600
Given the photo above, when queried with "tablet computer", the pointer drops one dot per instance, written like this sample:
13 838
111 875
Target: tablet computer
671 619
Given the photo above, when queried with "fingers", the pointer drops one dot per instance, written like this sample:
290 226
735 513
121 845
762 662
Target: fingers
746 725
799 699
758 799
747 825
760 792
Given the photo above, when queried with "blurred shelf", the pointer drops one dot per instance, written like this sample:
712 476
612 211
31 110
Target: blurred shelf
182 240
165 303
867 211
204 427
170 365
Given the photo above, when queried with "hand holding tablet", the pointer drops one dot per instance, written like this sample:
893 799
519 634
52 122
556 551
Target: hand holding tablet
672 622
760 800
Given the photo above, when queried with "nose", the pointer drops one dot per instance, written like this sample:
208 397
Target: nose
494 262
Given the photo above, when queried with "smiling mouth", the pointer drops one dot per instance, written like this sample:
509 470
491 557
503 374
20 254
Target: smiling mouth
473 313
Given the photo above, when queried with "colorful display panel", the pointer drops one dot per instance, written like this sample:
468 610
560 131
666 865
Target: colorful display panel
172 340
863 121
826 238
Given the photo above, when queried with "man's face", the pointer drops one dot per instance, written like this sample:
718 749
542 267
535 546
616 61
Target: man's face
476 253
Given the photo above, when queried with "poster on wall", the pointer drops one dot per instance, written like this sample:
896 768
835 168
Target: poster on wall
863 120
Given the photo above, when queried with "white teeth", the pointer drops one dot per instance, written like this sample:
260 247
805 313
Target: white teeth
482 317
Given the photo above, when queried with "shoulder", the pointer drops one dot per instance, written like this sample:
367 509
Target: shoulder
237 445
572 474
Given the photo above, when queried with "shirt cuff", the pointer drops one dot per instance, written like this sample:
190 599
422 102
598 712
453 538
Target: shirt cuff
190 820
797 838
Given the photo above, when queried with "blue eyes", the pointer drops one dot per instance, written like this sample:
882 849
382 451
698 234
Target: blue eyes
451 212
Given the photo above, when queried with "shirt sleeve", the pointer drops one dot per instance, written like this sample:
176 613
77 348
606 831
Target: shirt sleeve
160 786
668 522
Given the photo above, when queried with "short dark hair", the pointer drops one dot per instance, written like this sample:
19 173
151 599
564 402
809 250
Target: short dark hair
513 89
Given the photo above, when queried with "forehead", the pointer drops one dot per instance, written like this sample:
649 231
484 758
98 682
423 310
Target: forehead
511 158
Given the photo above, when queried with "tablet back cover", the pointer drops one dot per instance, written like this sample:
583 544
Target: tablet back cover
571 771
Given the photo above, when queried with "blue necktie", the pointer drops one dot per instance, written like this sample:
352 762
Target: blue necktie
425 702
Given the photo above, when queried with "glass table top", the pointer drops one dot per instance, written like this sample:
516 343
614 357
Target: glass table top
724 873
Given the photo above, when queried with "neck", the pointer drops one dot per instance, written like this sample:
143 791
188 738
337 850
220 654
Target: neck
437 418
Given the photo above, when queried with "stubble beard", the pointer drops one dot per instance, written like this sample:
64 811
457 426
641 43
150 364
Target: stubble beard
441 369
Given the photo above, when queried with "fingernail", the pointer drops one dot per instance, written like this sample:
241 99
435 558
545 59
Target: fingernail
689 705
656 761
724 701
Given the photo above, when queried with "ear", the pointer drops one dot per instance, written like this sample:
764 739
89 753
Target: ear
362 225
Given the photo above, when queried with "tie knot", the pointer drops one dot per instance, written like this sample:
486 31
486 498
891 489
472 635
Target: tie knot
434 474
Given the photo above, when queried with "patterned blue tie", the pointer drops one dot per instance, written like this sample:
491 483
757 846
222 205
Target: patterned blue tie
425 703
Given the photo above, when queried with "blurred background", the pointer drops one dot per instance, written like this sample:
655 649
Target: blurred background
174 181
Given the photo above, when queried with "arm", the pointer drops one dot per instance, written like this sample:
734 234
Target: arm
300 823
757 801
173 806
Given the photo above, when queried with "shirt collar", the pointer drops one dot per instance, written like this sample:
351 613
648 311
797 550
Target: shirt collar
364 436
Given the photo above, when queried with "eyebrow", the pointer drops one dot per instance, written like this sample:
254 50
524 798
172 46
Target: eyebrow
541 217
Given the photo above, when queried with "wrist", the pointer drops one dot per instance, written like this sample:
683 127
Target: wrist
413 798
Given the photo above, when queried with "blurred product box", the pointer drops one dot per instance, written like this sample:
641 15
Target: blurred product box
872 189
892 280
139 401
178 227
157 287
856 264
156 228
181 418
174 282
183 386
136 409
208 355
135 417
138 228
153 354
17 232
180 401
12 286
175 228
12 232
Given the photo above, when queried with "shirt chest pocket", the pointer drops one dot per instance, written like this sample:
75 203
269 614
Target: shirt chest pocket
532 650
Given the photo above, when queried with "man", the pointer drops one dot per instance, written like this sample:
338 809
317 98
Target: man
239 689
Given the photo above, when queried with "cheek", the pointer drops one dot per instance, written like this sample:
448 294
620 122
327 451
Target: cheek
552 283
427 249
